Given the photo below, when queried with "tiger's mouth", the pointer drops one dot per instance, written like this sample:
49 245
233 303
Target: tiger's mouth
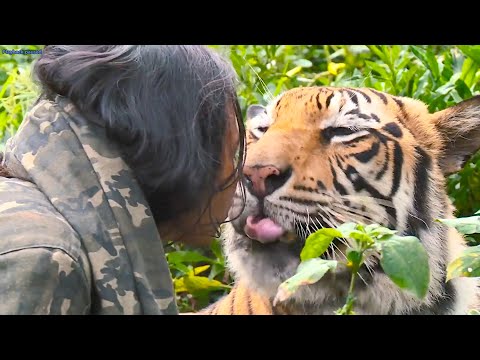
266 230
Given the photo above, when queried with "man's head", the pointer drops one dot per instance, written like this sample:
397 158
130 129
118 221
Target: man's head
173 110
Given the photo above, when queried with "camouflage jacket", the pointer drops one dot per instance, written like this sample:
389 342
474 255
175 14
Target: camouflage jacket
76 233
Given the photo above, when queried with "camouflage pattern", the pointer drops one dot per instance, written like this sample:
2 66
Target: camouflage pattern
76 233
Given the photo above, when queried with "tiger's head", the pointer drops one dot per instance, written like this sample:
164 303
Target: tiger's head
321 156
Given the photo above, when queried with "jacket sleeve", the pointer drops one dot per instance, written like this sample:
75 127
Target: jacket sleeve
42 280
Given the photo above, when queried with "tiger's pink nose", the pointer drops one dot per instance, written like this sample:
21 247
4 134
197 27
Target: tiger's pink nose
264 180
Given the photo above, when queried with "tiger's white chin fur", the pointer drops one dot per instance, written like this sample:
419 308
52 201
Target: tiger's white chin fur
264 272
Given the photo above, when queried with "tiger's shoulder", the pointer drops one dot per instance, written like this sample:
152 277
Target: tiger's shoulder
241 300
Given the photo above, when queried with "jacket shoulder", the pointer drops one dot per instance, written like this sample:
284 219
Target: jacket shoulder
43 281
29 220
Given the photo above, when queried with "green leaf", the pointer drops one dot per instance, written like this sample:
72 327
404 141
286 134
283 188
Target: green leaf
378 52
304 63
377 68
318 242
473 312
200 283
432 64
347 228
179 257
179 285
465 225
471 51
199 269
216 248
469 69
180 267
361 237
427 57
463 89
405 262
467 265
294 71
308 272
216 270
355 259
379 232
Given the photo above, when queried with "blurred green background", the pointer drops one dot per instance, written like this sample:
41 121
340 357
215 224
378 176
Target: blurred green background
438 75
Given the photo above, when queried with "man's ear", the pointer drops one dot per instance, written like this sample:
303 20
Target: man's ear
459 127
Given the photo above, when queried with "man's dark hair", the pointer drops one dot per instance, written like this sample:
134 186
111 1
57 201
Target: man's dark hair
166 105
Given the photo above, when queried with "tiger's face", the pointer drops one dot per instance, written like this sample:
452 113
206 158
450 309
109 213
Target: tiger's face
320 156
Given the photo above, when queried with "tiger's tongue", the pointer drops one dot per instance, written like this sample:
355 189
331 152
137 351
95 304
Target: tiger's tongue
264 230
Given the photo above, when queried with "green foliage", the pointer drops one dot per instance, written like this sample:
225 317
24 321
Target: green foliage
402 258
308 272
17 91
405 262
467 265
438 75
318 243
199 276
465 225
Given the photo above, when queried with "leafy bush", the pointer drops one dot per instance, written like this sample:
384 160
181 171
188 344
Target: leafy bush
438 75
18 91
402 258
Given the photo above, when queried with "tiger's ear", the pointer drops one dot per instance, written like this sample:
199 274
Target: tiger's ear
258 121
255 110
459 127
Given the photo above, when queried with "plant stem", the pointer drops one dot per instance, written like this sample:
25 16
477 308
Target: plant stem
350 296
347 309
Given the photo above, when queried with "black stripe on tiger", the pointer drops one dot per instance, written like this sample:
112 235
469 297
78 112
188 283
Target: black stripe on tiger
363 116
305 188
249 304
306 215
278 103
359 184
401 106
321 185
213 310
252 135
329 98
420 195
353 112
367 155
352 96
232 300
383 139
360 115
339 162
384 168
380 95
397 167
296 200
365 96
393 129
339 187
236 309
319 105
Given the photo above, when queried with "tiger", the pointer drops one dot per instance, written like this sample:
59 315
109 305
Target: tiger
322 156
